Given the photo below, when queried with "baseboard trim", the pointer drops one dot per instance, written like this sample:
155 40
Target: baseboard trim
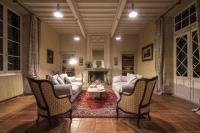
6 100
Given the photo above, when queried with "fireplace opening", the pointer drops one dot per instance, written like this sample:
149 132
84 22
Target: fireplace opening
96 75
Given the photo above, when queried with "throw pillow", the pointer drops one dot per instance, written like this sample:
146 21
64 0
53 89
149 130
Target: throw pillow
63 76
53 79
60 80
116 79
129 76
67 80
132 79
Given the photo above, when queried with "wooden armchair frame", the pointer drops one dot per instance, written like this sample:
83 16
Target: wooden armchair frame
142 107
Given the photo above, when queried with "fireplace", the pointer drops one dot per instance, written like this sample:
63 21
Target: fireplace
97 74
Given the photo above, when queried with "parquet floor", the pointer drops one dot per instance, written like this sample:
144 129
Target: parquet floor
169 115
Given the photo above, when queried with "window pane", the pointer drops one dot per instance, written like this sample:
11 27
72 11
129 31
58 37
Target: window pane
178 18
13 63
178 26
1 62
13 34
1 45
13 48
1 12
13 19
196 55
193 18
192 9
181 56
185 18
1 29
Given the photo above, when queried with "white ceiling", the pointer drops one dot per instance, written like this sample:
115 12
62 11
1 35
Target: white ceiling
98 16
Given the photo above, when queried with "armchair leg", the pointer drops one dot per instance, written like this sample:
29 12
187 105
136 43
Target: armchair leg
117 110
49 121
149 116
70 115
38 117
138 121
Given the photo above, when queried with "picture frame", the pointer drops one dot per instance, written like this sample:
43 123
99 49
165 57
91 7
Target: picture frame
80 61
115 61
147 53
50 55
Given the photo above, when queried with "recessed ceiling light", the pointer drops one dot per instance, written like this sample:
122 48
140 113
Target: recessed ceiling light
58 13
118 38
77 38
133 14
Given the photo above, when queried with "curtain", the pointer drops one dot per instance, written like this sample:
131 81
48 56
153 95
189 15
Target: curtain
198 19
34 46
159 53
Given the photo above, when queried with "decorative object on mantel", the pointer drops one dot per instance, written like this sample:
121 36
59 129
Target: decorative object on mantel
88 64
50 56
147 52
115 61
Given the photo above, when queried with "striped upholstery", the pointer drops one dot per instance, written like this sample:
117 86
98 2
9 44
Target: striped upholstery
48 103
140 97
56 106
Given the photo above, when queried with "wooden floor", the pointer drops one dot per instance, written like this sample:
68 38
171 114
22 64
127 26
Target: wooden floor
169 115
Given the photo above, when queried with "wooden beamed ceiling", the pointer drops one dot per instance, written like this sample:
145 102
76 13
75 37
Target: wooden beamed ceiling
98 16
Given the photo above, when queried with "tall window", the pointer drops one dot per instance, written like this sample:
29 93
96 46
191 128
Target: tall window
1 38
13 41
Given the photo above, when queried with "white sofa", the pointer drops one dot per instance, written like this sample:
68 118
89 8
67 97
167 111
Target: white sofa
124 83
65 85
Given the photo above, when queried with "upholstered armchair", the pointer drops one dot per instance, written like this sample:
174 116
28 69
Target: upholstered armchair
138 101
48 104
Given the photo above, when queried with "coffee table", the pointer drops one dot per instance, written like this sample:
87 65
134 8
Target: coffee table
96 91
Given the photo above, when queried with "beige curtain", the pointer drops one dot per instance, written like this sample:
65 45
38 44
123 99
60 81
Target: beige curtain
159 52
34 46
198 19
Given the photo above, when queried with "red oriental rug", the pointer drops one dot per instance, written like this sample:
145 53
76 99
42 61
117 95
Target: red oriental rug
85 106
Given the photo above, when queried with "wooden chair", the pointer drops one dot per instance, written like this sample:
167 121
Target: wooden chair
138 101
48 104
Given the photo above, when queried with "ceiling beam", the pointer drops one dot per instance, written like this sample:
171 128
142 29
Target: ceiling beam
74 8
120 10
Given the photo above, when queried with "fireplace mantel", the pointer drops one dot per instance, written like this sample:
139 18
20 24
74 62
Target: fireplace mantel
97 69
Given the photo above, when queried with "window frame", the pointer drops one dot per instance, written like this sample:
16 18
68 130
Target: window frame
5 41
190 24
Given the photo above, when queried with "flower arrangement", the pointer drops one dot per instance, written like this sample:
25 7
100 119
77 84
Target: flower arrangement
88 64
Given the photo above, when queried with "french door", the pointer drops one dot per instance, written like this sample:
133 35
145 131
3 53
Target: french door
187 66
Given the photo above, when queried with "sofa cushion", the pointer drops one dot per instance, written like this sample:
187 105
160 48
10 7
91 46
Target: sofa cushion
72 79
76 83
124 78
116 79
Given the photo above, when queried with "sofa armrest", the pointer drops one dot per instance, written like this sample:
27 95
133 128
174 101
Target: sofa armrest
78 80
63 89
128 88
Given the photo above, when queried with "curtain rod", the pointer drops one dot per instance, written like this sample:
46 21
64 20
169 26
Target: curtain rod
173 6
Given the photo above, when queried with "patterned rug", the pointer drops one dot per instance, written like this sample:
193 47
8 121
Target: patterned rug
85 106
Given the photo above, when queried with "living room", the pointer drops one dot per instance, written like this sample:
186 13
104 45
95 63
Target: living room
90 51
